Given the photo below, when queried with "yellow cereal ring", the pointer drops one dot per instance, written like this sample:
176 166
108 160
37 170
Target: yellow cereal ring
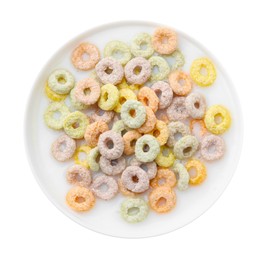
214 112
124 85
200 171
160 132
82 149
53 95
124 94
200 78
164 174
165 158
109 97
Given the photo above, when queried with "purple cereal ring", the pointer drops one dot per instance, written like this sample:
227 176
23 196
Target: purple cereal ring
111 145
90 85
135 179
196 105
78 175
212 147
109 70
63 148
112 167
150 168
163 92
137 70
112 187
177 110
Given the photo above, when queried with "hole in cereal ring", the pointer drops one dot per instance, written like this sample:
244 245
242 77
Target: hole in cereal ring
181 82
187 150
145 101
108 71
211 149
78 177
218 119
156 133
155 70
63 147
114 162
203 71
75 125
144 167
161 202
123 132
146 148
56 115
87 91
164 39
98 158
196 105
133 211
82 156
133 142
80 199
158 93
177 136
143 46
161 181
122 100
61 80
103 187
137 70
165 152
100 112
192 172
85 56
105 96
135 179
117 54
132 113
109 144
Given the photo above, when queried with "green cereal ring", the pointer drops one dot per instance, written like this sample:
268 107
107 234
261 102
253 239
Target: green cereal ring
115 49
165 158
75 124
134 204
52 109
178 58
93 159
140 40
109 97
61 81
120 128
186 147
77 105
183 175
147 148
163 68
133 113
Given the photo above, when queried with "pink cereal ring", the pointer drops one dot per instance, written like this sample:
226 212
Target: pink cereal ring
215 142
90 85
112 167
164 93
148 97
150 168
101 115
177 110
112 187
79 175
174 81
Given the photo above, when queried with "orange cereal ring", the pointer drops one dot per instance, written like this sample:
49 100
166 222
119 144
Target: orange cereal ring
80 198
93 132
130 139
200 168
124 191
164 40
162 199
164 177
174 81
149 123
203 129
160 132
148 97
92 53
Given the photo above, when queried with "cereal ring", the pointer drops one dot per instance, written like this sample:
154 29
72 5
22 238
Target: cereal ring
50 115
164 177
174 129
112 167
109 97
195 104
109 71
200 171
53 95
120 128
83 87
134 210
82 149
163 92
162 199
217 111
150 168
203 72
115 48
101 115
164 40
147 148
178 57
124 95
212 147
124 191
75 124
137 70
162 67
186 147
133 113
181 89
63 148
112 187
111 145
142 39
165 158
149 123
77 105
80 198
203 130
85 56
130 139
183 175
93 132
93 158
61 81
79 175
124 85
148 97
177 110
160 132
135 179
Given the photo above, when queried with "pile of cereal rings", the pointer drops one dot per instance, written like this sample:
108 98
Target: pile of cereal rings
134 117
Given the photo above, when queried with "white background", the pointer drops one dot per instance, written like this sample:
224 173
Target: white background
237 33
